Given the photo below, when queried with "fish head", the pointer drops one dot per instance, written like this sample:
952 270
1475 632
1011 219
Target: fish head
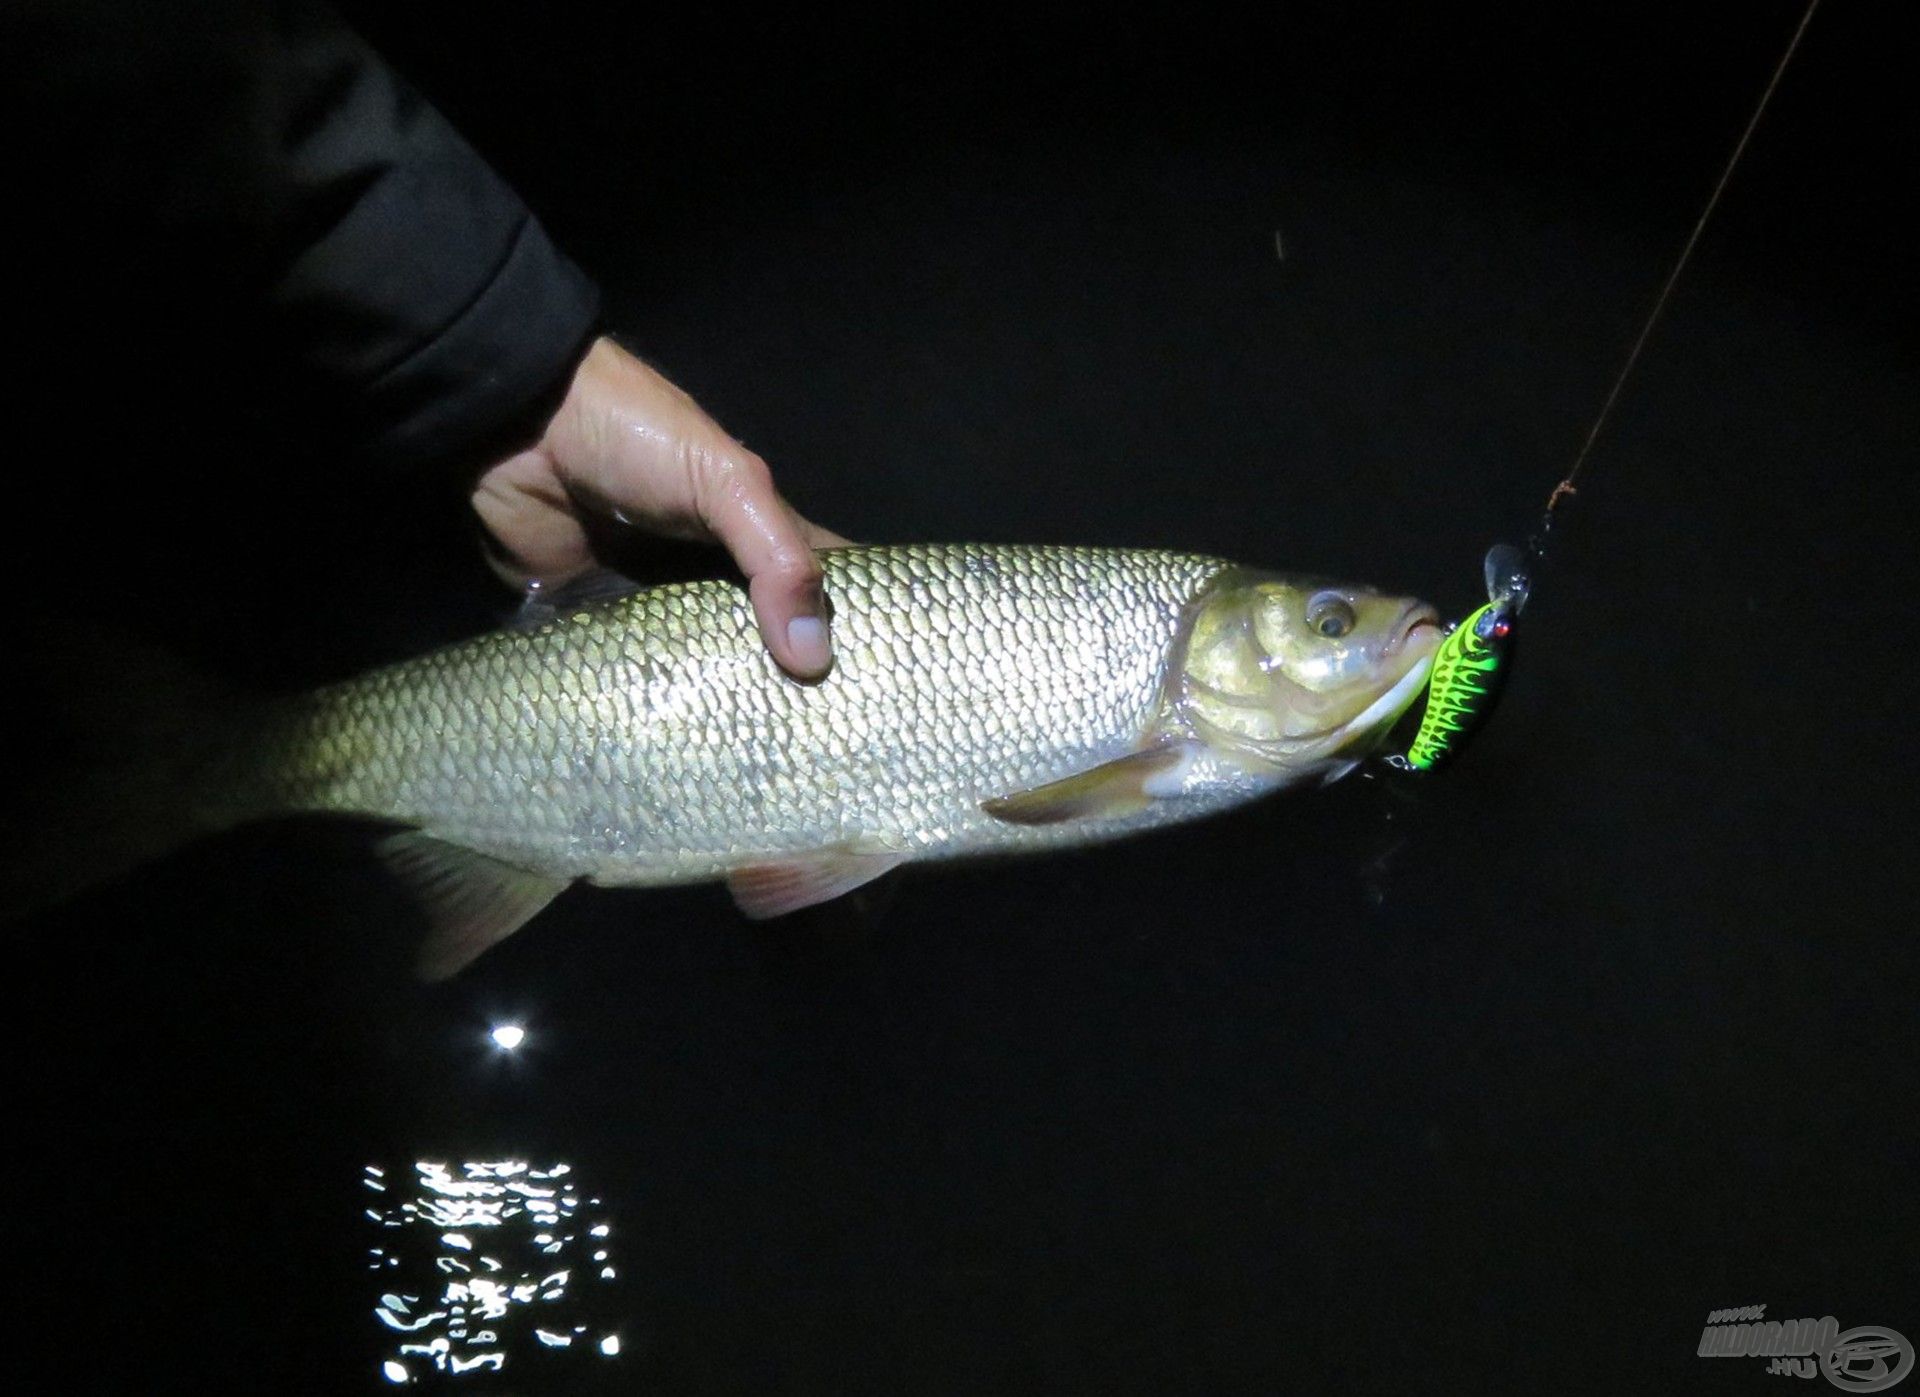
1297 675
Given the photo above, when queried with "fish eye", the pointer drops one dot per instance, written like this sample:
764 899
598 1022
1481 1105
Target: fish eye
1329 615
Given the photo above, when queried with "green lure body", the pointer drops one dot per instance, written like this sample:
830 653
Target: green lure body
1465 681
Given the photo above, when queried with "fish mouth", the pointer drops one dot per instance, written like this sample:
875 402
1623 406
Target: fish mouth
1416 616
1384 711
1417 634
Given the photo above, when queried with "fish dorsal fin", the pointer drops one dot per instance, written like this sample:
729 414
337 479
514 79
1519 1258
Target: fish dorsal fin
472 902
543 602
1125 786
775 887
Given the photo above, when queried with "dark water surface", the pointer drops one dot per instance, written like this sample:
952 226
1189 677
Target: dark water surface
1497 1084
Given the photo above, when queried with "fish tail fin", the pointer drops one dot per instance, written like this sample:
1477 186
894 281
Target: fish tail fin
128 754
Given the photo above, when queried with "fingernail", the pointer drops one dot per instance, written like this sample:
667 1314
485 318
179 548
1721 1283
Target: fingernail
807 639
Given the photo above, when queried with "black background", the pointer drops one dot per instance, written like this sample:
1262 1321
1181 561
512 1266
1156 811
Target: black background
1501 1085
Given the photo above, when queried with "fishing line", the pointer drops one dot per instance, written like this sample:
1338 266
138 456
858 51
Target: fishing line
1566 487
1469 669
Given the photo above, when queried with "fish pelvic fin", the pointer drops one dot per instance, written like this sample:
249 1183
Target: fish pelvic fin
472 901
777 886
1113 790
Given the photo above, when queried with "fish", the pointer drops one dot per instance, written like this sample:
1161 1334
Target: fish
984 699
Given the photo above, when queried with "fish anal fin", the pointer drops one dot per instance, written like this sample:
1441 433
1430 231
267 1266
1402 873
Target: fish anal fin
774 887
472 902
1125 786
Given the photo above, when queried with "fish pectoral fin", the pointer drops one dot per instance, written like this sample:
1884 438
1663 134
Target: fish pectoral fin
1335 772
1124 786
472 902
779 886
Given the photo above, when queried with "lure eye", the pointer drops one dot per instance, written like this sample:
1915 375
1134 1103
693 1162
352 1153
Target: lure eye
1330 616
1494 625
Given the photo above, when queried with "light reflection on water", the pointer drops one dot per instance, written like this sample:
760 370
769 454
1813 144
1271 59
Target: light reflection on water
484 1260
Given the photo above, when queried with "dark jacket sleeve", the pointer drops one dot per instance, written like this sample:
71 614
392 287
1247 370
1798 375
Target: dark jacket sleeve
298 201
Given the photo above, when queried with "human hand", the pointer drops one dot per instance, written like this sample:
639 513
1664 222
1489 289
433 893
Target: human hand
629 444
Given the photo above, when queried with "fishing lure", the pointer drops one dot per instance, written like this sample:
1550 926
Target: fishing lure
1470 667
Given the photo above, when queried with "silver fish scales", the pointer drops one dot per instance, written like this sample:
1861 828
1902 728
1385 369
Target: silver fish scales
983 698
651 739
